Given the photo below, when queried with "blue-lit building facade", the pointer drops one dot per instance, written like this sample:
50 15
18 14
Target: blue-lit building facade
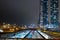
49 12
54 12
43 12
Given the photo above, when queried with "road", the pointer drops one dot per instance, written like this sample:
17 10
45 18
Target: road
20 34
34 34
27 34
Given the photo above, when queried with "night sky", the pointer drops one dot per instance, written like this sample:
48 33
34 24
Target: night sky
19 11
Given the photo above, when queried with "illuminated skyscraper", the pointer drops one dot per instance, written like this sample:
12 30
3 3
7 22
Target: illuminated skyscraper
54 12
49 12
43 12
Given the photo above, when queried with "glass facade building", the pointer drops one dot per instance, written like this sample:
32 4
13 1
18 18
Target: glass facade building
43 12
51 8
54 12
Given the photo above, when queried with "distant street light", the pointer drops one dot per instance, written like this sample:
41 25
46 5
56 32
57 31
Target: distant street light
1 30
3 22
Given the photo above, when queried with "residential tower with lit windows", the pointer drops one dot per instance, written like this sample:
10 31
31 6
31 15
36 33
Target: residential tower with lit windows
49 13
